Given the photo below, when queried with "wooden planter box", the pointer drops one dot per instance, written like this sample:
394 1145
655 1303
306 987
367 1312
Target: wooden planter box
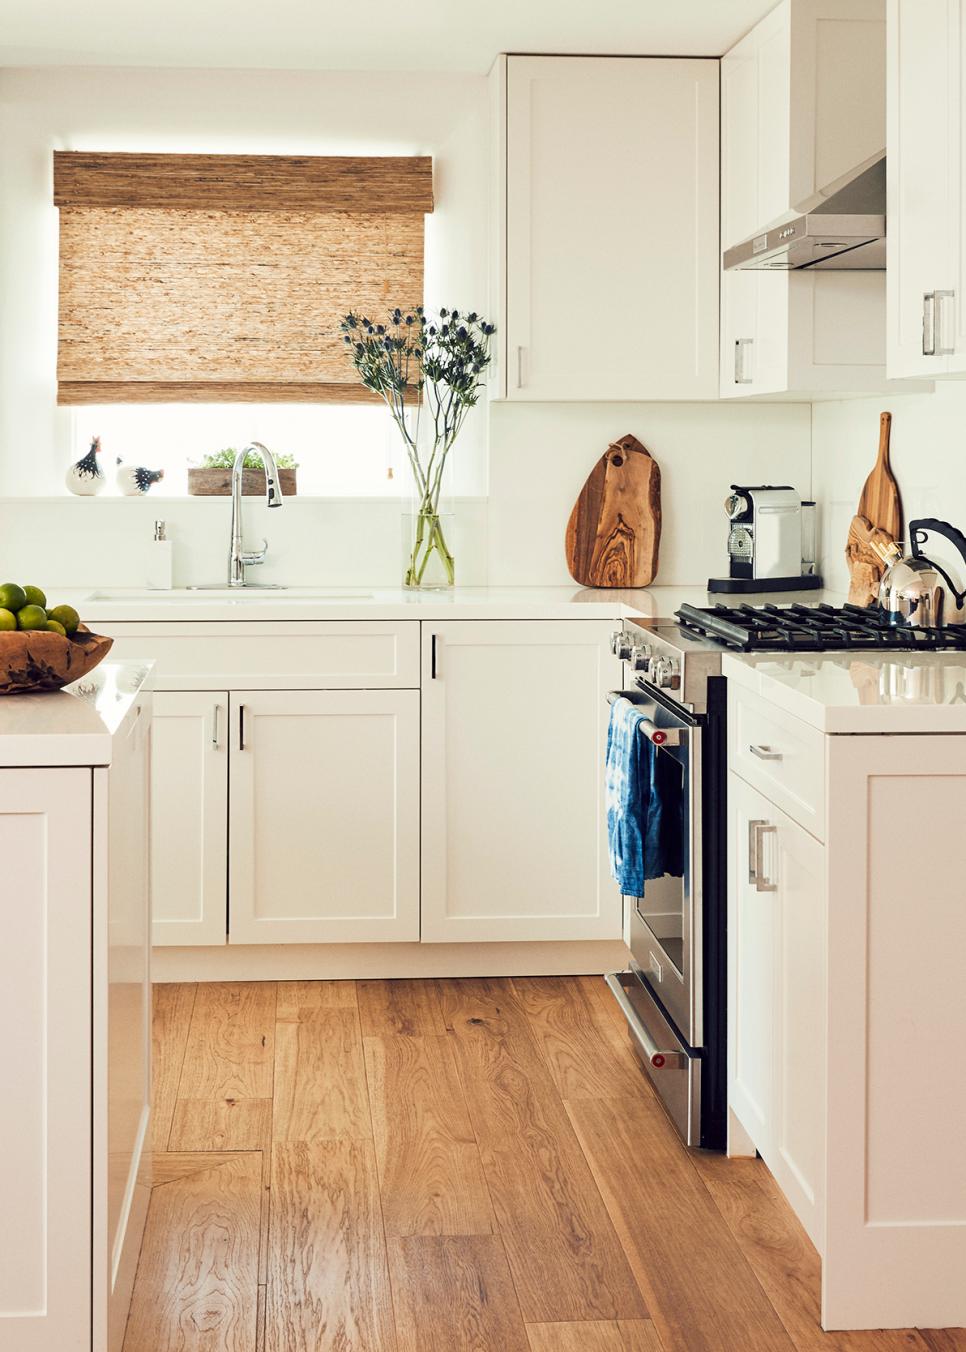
216 483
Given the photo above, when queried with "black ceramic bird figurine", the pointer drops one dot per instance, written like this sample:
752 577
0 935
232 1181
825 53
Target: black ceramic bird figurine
85 477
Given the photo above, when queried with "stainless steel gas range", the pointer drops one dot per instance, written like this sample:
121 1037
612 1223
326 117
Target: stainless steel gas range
673 993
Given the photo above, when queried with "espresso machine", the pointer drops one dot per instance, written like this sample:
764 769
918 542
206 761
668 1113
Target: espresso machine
771 541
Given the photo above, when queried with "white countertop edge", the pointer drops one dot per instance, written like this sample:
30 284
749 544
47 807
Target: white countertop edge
76 726
827 712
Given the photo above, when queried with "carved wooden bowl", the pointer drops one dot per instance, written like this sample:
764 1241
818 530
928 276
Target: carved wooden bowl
35 659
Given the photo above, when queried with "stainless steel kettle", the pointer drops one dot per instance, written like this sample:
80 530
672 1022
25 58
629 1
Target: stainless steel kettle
916 589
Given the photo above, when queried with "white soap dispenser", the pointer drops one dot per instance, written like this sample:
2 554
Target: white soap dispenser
160 560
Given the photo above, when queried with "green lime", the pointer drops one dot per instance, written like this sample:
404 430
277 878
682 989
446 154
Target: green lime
35 596
12 597
55 628
31 617
8 620
65 615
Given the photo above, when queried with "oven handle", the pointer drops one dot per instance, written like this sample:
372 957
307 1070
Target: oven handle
660 1060
659 736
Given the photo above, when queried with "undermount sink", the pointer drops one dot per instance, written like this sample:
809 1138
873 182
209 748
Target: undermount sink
237 595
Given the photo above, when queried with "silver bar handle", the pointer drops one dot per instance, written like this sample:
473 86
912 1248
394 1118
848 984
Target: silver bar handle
757 829
520 380
216 710
943 348
753 860
929 323
660 1060
741 374
765 753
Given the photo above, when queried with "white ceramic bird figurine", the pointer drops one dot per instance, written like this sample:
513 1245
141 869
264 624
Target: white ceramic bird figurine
134 480
85 477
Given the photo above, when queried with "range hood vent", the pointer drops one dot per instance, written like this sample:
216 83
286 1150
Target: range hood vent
843 227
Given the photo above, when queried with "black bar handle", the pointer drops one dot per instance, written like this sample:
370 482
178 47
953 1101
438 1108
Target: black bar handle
931 525
432 657
241 727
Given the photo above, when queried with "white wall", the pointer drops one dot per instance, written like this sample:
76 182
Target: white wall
928 432
539 454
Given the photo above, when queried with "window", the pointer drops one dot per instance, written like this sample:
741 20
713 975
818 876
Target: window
222 278
340 450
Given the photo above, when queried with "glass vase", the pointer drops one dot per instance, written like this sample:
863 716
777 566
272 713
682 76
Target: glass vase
428 562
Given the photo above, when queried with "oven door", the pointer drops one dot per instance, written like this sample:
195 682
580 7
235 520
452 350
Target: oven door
665 924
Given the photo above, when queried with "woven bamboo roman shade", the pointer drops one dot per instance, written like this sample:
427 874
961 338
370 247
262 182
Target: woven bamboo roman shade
203 278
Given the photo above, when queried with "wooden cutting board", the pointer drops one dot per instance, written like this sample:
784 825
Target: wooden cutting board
614 531
881 507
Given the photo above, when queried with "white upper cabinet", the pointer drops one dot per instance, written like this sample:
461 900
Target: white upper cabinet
609 268
927 216
802 103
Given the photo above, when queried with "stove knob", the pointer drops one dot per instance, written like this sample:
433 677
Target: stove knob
620 645
664 675
640 658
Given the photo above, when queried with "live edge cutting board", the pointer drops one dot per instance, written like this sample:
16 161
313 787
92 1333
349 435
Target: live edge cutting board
614 531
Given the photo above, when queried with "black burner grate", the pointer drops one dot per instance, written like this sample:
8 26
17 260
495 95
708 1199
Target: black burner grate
813 629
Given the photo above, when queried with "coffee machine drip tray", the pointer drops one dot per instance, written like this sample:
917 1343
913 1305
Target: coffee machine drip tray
748 586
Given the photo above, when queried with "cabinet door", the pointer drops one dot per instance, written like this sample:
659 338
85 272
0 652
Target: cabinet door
751 969
923 137
611 229
777 985
794 863
514 734
324 816
189 818
45 1007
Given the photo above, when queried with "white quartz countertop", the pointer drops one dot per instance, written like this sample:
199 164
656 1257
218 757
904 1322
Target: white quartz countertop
73 726
108 605
861 692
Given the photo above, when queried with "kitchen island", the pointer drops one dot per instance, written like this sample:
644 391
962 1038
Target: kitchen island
75 1001
847 928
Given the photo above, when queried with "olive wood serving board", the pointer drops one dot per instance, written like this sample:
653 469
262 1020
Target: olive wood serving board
865 564
614 531
881 507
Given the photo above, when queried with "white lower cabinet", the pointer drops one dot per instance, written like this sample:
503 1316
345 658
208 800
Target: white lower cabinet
189 817
513 821
324 816
777 973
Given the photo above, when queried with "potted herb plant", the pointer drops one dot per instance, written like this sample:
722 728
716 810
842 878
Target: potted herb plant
430 374
212 478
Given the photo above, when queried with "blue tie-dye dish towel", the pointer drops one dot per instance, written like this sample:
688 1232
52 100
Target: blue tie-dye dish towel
645 828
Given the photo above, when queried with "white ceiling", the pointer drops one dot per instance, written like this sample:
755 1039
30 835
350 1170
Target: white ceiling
454 35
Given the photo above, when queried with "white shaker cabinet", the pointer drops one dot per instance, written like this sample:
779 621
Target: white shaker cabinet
608 172
801 104
324 816
75 1005
45 995
777 972
189 817
513 830
926 181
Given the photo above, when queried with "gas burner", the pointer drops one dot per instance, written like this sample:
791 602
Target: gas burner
813 629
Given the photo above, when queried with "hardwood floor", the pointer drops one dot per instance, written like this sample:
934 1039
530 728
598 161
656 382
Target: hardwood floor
449 1166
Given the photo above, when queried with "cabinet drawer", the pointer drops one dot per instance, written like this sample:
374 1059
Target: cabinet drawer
780 756
331 655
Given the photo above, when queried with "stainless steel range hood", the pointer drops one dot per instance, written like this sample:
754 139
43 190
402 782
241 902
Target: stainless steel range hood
843 226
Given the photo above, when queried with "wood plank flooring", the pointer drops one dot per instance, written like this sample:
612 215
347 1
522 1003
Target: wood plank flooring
449 1166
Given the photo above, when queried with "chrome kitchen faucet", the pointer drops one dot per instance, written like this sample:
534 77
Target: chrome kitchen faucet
238 557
